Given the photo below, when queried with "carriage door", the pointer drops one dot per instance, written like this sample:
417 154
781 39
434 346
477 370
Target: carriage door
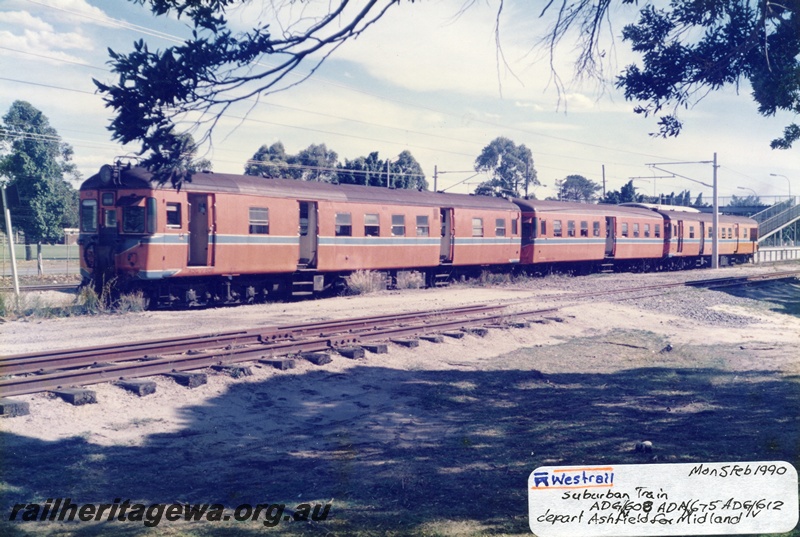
448 235
611 229
201 230
680 235
308 234
702 237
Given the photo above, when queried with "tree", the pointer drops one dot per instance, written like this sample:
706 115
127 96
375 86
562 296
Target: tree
403 172
317 163
407 173
510 167
626 194
577 188
36 160
746 201
692 47
212 70
269 161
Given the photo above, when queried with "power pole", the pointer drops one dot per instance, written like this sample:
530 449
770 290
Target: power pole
604 181
715 221
10 235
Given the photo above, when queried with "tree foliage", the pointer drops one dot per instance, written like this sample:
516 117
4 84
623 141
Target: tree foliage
695 46
510 167
746 201
36 162
403 172
318 163
626 194
577 188
687 47
215 68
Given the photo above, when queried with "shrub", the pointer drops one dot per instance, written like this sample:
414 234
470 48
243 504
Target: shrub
363 282
409 279
131 302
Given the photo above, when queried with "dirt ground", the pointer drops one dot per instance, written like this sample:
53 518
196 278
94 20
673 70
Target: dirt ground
437 440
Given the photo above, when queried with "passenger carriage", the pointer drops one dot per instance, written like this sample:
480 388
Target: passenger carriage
228 238
588 236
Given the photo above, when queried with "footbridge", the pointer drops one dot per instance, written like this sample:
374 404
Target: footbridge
779 231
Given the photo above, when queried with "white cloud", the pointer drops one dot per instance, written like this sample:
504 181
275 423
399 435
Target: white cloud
23 19
74 12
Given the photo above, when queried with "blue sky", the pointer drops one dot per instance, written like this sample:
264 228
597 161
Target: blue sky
426 78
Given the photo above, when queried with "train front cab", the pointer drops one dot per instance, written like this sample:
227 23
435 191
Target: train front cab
114 224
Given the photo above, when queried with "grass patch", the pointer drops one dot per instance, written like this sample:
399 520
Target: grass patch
38 305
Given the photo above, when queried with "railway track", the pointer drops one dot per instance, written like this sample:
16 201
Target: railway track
31 373
36 372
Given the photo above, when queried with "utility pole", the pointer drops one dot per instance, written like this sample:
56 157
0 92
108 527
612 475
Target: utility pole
435 178
715 222
604 181
10 235
713 186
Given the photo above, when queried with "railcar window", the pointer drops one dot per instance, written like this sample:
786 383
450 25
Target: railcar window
423 227
259 220
398 225
109 218
89 216
624 229
595 229
584 228
647 230
133 219
556 228
372 225
500 227
658 230
152 215
730 233
173 215
570 228
635 230
108 199
544 228
710 232
477 227
344 225
691 232
514 226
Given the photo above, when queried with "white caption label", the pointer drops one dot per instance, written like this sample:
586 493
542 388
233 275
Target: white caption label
663 499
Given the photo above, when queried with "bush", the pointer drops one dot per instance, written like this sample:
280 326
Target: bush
363 282
408 279
131 302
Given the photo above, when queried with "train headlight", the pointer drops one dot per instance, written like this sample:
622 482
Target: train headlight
106 174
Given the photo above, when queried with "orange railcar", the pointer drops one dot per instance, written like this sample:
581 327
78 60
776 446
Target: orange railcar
230 238
588 235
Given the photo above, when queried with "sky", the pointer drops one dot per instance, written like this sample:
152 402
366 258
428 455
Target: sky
426 78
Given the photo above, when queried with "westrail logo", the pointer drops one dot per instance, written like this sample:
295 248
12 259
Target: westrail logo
562 478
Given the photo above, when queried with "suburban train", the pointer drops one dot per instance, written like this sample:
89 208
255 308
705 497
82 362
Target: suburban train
224 239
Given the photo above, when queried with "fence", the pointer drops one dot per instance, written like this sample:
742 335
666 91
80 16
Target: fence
57 259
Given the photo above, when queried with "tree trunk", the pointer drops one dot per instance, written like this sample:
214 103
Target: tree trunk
39 265
28 249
